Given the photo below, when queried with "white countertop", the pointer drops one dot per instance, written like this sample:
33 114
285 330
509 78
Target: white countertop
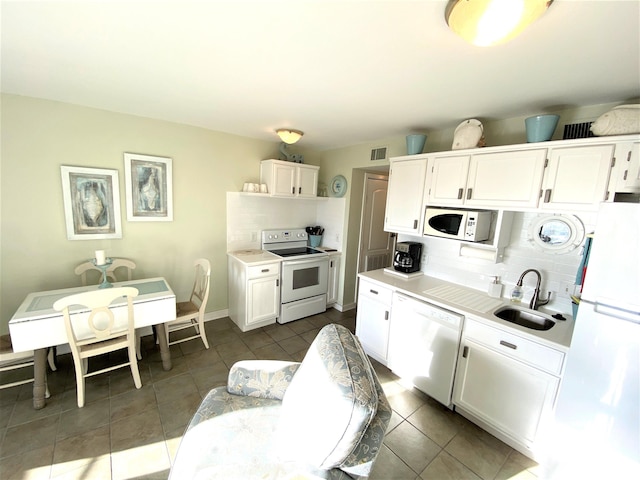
432 290
254 257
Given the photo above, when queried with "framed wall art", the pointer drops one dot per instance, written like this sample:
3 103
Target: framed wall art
148 189
91 203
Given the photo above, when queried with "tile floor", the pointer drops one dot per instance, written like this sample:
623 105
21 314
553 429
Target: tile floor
124 433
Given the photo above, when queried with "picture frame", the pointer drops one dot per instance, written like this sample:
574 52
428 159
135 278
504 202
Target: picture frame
91 203
148 188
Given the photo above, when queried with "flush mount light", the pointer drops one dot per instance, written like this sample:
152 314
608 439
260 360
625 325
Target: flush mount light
490 22
289 136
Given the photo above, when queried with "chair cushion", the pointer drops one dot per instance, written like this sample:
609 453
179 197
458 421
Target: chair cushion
261 378
231 437
186 308
330 402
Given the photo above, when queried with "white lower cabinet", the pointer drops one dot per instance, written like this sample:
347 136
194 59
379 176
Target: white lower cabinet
254 294
504 382
373 319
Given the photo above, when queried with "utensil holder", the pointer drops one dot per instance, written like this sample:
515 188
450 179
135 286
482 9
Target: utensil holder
315 240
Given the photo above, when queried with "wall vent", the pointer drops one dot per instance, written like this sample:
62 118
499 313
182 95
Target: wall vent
379 153
577 130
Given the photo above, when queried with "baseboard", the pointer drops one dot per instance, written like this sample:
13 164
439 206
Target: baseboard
344 308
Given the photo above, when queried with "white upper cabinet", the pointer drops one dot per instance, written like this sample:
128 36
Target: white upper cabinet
287 179
577 178
628 165
505 179
404 196
448 180
574 175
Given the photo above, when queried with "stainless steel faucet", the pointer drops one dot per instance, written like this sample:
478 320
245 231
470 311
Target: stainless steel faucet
535 300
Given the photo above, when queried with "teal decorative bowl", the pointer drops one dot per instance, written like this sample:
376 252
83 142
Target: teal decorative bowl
541 127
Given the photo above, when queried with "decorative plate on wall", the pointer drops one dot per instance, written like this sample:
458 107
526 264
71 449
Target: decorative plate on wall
338 186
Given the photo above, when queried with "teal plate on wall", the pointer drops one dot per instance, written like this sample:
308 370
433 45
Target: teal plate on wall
338 186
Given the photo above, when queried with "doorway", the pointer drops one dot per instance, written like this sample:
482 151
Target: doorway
375 249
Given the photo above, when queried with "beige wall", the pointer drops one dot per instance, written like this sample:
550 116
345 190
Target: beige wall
39 136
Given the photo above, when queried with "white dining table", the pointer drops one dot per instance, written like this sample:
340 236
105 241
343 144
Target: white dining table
37 326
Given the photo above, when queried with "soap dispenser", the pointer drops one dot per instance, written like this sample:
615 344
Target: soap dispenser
495 288
516 294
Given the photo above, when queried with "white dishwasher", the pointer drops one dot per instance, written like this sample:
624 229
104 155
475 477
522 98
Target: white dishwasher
423 346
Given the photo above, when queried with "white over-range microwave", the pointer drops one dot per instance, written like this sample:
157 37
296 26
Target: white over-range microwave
471 226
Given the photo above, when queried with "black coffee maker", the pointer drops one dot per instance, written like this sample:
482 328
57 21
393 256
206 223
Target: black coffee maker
407 257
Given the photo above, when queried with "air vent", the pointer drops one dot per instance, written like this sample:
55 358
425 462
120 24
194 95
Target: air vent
379 153
577 130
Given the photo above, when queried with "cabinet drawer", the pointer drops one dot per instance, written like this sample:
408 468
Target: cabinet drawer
258 271
375 292
527 351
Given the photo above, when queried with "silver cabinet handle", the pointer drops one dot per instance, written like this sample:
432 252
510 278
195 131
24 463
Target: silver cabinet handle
386 314
547 195
373 291
469 190
415 224
509 345
465 352
460 193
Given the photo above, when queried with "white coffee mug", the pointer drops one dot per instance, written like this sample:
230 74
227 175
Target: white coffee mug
263 188
245 187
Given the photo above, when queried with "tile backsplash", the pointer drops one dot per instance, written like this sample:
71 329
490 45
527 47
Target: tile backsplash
441 259
249 214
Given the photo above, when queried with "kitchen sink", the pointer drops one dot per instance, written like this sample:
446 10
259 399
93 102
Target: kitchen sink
525 317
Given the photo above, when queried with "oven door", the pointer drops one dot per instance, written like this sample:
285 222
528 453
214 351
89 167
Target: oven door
304 278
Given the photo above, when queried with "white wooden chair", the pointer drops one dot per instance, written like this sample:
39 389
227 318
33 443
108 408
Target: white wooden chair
190 314
97 332
10 361
116 264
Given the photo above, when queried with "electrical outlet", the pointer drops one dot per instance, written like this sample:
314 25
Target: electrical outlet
254 236
566 289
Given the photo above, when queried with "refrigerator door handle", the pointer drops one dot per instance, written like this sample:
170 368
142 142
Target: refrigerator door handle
615 311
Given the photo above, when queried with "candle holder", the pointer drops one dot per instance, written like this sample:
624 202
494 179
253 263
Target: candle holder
107 264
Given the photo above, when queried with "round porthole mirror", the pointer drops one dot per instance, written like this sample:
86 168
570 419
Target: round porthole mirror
556 233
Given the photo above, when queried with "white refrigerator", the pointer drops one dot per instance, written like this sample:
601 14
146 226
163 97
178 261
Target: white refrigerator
596 432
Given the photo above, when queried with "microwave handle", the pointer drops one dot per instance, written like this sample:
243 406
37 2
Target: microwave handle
460 193
469 190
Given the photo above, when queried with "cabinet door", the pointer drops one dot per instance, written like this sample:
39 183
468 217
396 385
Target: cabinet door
577 178
404 196
307 181
505 393
628 158
372 327
283 180
448 180
263 299
505 179
334 281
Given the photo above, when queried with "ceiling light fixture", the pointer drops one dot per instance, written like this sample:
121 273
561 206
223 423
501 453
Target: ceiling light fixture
289 136
491 22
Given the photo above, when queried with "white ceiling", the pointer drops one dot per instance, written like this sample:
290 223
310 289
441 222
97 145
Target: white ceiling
344 72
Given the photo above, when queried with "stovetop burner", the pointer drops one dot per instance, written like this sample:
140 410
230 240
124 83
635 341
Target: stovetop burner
289 243
296 252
